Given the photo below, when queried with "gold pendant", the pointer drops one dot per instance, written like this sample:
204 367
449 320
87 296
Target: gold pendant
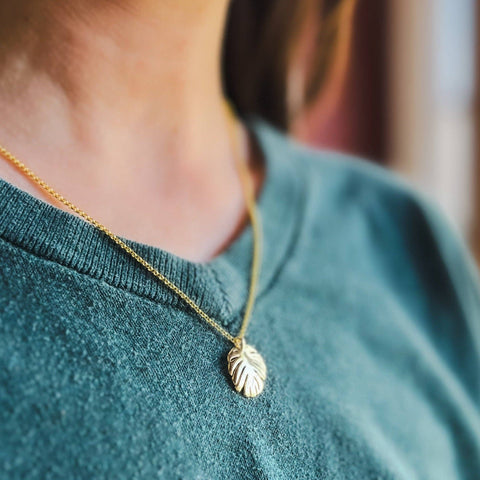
247 369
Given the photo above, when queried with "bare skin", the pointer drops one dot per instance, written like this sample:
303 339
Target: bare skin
117 104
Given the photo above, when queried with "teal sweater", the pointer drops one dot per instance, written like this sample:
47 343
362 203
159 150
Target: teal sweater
367 315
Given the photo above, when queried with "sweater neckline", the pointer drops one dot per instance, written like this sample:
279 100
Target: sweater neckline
219 286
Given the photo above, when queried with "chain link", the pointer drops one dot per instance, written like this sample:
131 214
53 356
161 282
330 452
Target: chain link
249 195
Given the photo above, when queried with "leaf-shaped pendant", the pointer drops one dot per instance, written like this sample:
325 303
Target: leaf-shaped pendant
247 369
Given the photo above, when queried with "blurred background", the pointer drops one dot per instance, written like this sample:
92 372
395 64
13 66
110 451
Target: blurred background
406 95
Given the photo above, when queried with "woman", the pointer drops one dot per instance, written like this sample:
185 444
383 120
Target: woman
367 305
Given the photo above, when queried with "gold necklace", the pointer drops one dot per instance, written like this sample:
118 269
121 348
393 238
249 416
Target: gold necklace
245 365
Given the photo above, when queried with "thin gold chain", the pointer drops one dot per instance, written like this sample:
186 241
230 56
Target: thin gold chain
249 194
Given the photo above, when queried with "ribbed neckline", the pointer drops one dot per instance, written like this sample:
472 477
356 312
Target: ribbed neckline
220 286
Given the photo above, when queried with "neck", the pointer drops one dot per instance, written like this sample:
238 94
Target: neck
108 98
105 71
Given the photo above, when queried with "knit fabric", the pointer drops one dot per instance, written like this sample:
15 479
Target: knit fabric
367 315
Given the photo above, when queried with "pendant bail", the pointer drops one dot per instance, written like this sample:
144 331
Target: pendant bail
239 342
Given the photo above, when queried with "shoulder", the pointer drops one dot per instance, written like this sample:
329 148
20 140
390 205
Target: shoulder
351 188
352 180
377 223
347 177
353 185
383 198
398 214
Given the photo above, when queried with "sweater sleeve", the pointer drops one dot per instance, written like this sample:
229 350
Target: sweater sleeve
450 276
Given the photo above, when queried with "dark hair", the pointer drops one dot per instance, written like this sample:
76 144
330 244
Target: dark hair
260 39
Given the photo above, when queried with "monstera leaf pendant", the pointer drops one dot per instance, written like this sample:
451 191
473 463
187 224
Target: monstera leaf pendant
247 369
